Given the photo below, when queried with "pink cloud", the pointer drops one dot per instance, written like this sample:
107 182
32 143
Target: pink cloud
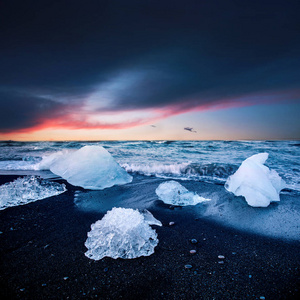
78 118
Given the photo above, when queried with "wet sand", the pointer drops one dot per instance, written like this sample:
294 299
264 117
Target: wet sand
42 254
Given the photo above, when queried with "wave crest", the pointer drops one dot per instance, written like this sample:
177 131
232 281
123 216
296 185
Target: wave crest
184 170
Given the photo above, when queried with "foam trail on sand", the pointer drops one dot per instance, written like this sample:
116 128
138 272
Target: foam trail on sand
278 220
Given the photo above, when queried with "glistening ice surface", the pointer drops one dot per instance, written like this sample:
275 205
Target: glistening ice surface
172 192
124 233
28 189
91 167
256 182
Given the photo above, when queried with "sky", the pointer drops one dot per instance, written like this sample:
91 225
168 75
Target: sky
149 70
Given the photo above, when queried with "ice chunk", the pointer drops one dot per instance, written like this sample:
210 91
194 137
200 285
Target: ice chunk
172 192
149 219
28 189
124 233
91 167
256 182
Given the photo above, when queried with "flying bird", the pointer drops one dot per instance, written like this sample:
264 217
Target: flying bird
190 129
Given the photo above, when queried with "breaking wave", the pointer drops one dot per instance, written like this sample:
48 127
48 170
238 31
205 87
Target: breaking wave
183 170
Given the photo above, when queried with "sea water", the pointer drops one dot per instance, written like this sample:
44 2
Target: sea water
212 161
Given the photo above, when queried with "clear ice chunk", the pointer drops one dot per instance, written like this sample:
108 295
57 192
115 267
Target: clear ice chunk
172 192
28 189
91 167
256 182
124 233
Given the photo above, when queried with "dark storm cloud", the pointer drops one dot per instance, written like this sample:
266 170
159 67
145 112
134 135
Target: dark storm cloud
145 54
20 111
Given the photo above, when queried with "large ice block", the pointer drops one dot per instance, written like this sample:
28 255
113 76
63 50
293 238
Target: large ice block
256 182
124 233
91 167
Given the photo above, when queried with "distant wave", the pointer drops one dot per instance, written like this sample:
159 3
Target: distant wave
184 170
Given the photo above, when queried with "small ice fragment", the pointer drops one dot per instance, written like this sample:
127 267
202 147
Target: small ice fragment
250 276
193 241
172 192
221 256
124 233
28 189
262 298
148 218
171 223
233 253
256 182
66 278
91 167
221 262
188 266
193 251
22 290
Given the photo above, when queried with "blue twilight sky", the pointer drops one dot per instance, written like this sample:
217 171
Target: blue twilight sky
93 70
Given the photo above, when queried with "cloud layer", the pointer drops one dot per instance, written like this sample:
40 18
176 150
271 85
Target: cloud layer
70 65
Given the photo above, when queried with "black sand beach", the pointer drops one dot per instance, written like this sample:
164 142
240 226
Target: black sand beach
42 253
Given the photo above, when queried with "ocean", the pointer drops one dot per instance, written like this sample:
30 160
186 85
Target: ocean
210 161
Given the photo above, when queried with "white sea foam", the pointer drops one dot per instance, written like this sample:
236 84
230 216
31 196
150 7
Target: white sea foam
91 167
122 233
172 192
256 182
28 189
156 168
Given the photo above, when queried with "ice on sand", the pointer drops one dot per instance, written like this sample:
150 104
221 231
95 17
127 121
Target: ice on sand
124 233
28 189
256 182
91 167
172 192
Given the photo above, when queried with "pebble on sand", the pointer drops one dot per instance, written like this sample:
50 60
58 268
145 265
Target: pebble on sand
188 266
